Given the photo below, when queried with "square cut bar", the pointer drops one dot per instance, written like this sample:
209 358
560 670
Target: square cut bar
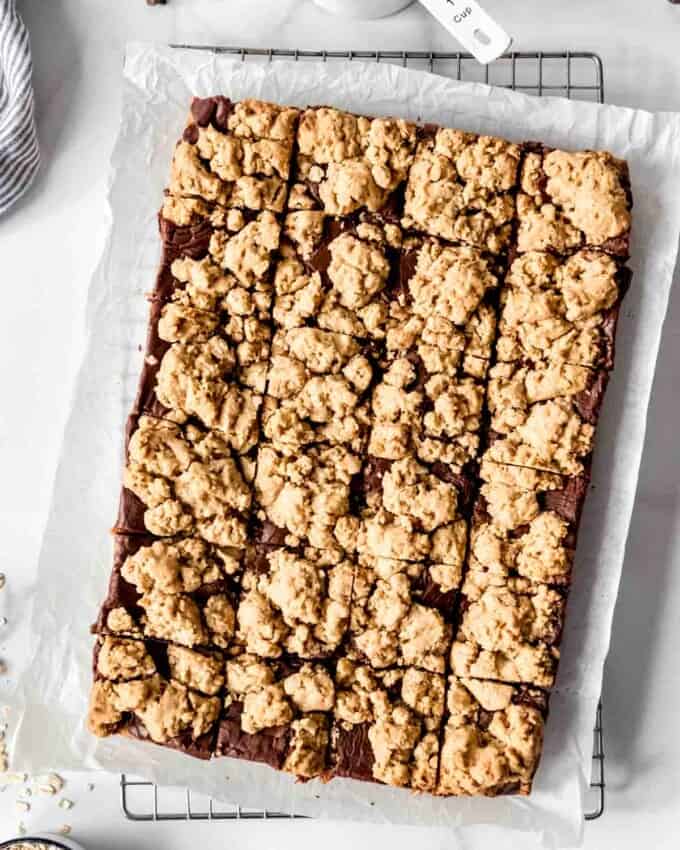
562 494
413 511
508 632
235 154
402 612
294 603
305 496
386 725
180 590
193 371
524 533
317 390
493 736
435 416
447 291
346 163
165 694
461 188
277 713
183 480
561 308
338 274
199 303
573 200
543 414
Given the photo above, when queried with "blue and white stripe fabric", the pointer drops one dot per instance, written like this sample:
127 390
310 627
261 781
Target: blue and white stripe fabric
19 152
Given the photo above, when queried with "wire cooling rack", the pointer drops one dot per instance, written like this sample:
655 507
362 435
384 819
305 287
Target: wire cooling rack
143 801
570 74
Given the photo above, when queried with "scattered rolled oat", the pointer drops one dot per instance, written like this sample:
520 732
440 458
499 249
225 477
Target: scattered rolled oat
46 789
22 806
3 668
65 804
15 778
90 786
65 829
2 580
49 783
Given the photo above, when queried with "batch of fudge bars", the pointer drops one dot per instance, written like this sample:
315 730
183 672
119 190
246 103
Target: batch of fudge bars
362 439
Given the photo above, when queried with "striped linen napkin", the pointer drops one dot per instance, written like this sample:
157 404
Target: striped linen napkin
19 152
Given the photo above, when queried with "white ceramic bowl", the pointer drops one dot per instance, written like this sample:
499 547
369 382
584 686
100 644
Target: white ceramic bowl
58 842
363 8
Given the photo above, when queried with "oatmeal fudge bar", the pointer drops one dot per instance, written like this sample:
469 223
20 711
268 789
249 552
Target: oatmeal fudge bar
237 155
402 612
386 725
347 163
451 290
462 187
413 511
554 435
277 713
181 590
220 293
572 200
336 274
317 390
168 695
561 309
493 736
294 602
183 480
523 533
192 372
305 496
418 411
508 631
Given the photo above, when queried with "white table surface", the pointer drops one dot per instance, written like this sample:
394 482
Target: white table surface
48 247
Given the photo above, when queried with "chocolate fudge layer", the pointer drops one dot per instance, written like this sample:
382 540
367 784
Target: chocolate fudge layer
183 480
179 590
235 154
508 632
461 188
493 738
386 725
277 713
347 163
561 309
573 200
163 694
294 602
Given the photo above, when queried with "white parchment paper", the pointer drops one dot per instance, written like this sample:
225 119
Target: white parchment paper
51 695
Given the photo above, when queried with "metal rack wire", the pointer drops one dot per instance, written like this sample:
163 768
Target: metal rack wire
570 74
567 73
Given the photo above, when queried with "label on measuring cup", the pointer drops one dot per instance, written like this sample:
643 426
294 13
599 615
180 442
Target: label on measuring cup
470 24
